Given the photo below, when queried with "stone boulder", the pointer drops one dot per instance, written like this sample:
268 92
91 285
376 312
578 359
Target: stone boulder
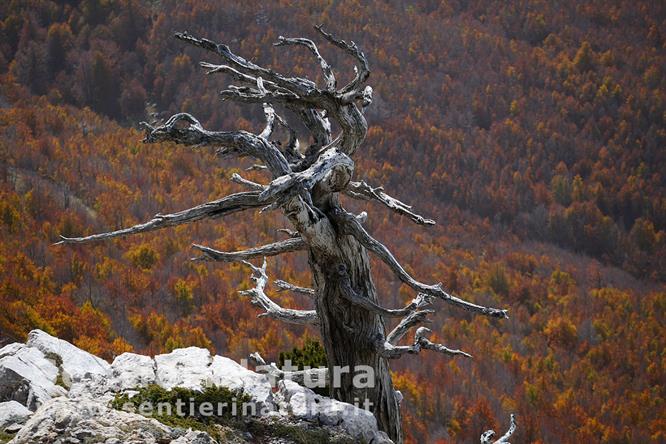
130 370
228 373
302 403
27 376
184 367
76 364
194 368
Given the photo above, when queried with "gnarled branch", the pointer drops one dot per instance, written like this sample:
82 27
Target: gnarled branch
240 143
217 208
362 68
487 436
350 225
421 342
297 85
301 95
412 319
272 309
286 286
361 190
280 247
235 74
325 67
245 94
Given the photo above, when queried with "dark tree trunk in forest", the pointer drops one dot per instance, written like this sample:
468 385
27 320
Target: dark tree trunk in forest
305 186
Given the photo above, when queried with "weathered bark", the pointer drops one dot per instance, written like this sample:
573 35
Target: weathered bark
305 186
349 333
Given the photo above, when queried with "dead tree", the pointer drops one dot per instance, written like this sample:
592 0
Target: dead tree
306 186
487 436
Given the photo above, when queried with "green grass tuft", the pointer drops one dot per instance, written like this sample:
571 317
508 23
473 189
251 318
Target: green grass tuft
5 437
225 427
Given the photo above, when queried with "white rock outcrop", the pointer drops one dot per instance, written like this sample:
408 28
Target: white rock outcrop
75 363
56 392
228 373
130 370
27 376
85 420
184 367
194 368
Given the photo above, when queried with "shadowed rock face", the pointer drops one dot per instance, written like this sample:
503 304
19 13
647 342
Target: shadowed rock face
27 376
54 391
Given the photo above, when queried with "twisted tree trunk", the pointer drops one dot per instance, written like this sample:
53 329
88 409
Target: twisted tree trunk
305 186
349 334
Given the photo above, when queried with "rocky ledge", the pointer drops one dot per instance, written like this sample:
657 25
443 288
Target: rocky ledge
54 392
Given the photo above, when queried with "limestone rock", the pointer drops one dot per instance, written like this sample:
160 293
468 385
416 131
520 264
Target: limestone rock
194 368
301 402
75 363
86 420
11 413
228 373
27 376
130 370
30 375
184 367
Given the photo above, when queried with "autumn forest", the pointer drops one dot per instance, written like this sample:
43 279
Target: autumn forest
532 132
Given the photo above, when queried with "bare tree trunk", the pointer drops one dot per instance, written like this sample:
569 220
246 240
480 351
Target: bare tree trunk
349 334
305 186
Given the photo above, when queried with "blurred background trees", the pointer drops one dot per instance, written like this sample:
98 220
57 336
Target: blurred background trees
541 129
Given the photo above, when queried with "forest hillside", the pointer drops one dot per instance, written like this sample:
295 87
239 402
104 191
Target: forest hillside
533 132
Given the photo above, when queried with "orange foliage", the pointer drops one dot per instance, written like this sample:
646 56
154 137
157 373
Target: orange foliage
533 131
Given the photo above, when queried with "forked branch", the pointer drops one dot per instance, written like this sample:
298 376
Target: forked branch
240 143
361 190
325 67
362 67
411 320
421 342
297 85
273 310
350 225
